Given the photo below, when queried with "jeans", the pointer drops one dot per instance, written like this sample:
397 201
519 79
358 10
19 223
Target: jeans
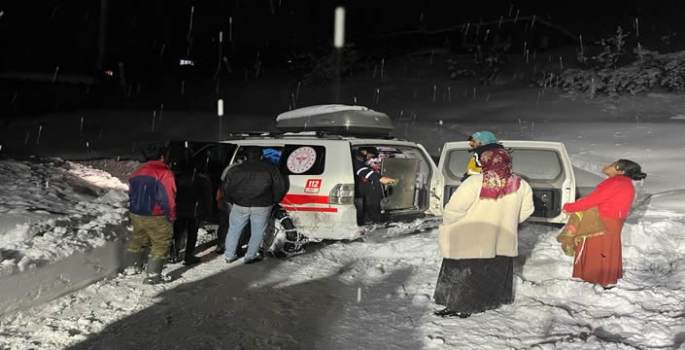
259 218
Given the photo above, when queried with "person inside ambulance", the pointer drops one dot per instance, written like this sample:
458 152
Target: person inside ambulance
369 185
272 155
371 157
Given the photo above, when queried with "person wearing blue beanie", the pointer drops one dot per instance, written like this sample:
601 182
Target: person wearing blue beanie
485 137
479 141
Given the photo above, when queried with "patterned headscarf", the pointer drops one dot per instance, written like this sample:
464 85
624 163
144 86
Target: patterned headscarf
498 176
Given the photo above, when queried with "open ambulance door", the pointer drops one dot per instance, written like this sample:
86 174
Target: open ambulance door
200 158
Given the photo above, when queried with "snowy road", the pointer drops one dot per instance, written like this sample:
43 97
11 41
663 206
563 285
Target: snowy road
318 300
373 295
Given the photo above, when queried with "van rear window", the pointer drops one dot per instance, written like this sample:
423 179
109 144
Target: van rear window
302 160
533 164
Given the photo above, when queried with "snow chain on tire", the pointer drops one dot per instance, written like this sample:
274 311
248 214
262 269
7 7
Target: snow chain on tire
294 241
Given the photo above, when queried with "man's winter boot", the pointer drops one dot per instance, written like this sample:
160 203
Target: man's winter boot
154 271
133 263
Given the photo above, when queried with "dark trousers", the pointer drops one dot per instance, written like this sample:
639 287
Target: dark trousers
224 212
185 229
475 285
372 194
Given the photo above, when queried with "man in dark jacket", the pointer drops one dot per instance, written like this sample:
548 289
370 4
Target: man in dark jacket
369 184
224 206
253 187
152 209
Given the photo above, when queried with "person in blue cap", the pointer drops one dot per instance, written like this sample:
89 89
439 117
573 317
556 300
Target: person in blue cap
479 141
272 156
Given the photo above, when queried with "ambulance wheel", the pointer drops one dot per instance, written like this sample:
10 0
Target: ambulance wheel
284 240
291 233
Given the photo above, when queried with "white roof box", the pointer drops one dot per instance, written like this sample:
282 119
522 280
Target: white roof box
334 118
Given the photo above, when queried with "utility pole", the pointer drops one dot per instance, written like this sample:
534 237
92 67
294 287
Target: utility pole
338 44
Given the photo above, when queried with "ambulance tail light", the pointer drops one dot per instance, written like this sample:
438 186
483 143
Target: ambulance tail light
342 194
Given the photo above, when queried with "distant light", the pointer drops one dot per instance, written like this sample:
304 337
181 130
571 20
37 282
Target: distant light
109 73
339 28
187 63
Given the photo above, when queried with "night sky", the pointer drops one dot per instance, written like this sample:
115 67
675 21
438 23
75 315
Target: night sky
39 35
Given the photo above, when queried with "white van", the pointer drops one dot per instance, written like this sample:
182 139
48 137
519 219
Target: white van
314 153
545 165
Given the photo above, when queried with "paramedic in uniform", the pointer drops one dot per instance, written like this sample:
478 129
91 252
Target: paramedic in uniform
369 186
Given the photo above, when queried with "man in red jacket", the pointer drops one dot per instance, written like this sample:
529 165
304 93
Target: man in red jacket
152 209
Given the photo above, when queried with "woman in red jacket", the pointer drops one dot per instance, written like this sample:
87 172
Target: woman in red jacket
598 259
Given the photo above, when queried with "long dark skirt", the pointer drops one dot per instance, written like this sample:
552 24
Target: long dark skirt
475 285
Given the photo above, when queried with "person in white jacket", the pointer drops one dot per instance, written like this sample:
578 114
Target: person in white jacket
479 238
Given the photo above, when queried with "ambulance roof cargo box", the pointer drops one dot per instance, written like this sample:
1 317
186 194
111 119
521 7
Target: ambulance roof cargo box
339 119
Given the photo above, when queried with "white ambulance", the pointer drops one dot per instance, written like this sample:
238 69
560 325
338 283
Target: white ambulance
314 152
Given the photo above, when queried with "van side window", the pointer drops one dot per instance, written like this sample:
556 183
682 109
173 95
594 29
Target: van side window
271 155
302 160
212 158
203 156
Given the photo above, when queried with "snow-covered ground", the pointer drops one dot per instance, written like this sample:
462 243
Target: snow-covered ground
52 208
375 294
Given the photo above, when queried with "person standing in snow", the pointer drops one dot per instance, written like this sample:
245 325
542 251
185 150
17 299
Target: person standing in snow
193 203
598 259
253 188
478 238
225 207
152 209
479 141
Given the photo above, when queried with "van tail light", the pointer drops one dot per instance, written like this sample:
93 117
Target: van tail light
341 194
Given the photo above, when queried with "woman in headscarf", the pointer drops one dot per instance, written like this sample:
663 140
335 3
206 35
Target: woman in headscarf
598 259
479 238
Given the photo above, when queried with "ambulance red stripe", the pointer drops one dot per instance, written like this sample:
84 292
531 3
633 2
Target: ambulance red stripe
324 210
299 199
292 202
